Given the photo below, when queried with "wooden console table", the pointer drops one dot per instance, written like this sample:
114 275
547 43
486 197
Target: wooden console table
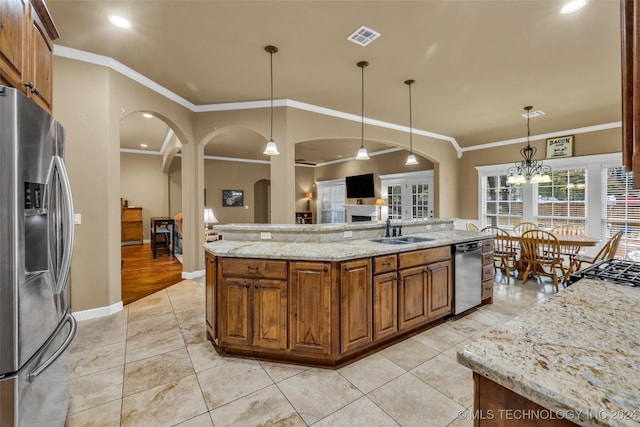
131 225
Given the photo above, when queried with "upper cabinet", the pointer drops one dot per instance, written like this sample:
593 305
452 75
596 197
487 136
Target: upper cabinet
26 49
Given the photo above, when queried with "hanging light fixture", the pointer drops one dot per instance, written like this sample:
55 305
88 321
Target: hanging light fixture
411 158
529 169
271 149
362 152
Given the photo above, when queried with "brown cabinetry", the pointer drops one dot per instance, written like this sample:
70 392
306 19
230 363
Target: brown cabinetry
385 296
355 305
210 301
487 271
310 302
26 49
438 289
131 225
253 298
304 218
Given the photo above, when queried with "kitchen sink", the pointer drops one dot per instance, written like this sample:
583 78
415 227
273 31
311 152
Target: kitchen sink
414 239
390 241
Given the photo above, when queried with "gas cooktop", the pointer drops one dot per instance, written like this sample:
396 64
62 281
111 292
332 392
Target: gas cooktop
617 271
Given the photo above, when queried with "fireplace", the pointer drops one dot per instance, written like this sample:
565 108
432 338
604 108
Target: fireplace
361 213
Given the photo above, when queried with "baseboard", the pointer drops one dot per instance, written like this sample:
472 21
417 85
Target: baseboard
193 274
94 313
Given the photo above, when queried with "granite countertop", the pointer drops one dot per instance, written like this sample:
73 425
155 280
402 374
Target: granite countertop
577 353
335 251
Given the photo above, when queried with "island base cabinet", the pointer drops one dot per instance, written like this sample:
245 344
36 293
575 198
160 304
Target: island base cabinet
210 300
439 289
385 305
310 300
355 305
497 406
412 297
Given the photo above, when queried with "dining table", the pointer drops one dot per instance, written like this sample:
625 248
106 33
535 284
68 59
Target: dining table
563 240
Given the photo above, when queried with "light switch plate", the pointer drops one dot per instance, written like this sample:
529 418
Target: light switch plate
348 233
77 218
265 236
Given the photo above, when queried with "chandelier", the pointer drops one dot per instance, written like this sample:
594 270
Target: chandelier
529 169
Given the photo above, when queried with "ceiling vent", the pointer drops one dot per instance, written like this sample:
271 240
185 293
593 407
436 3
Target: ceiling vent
363 36
533 114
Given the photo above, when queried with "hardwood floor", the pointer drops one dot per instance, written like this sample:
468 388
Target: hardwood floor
143 275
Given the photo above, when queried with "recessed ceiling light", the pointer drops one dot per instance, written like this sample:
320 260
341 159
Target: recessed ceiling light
573 6
533 114
119 21
143 145
147 115
363 36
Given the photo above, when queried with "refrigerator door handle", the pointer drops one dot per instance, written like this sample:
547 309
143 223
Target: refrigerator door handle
67 216
72 332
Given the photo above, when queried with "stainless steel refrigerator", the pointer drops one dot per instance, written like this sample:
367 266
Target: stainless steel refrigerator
36 239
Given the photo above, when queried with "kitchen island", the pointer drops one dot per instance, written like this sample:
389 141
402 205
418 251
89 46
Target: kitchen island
327 294
575 356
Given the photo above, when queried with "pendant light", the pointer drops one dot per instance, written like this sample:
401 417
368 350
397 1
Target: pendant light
411 158
528 170
362 152
271 149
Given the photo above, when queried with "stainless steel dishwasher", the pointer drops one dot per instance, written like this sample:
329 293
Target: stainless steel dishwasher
467 290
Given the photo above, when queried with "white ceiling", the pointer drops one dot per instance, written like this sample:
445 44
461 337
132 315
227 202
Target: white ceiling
476 63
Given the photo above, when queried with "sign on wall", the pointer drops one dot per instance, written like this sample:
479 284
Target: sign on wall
561 146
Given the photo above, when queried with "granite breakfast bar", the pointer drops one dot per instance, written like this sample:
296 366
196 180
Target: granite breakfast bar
326 294
575 356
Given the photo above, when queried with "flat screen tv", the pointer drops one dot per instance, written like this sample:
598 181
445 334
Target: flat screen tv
360 186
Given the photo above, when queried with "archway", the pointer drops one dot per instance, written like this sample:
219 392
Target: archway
262 202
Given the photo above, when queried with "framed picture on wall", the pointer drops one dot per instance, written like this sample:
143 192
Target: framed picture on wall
232 198
560 147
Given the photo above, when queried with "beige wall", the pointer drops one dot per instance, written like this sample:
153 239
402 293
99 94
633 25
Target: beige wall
175 186
221 175
144 185
606 141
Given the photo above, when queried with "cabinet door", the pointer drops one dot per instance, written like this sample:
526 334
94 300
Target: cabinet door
385 305
41 64
235 314
270 314
210 301
355 305
13 42
310 302
412 296
439 289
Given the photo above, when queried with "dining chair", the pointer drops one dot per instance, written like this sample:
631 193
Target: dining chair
504 255
607 251
569 251
524 226
472 227
540 252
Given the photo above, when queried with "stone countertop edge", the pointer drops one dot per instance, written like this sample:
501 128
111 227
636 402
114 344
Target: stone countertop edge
576 353
335 251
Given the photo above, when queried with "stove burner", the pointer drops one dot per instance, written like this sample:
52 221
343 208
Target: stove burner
619 271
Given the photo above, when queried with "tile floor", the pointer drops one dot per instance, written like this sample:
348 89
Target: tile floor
151 365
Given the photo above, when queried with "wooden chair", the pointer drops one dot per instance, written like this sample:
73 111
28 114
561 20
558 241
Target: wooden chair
541 255
159 238
472 227
504 255
524 226
572 230
607 251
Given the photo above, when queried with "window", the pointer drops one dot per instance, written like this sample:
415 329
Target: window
502 202
622 212
331 201
563 201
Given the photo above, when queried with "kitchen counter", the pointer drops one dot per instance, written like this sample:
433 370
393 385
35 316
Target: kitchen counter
335 250
577 354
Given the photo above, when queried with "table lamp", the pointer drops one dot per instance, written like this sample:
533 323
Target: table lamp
379 203
308 196
209 218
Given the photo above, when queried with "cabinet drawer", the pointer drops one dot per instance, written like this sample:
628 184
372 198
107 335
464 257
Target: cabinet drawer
487 245
131 214
487 273
383 264
133 225
487 259
249 267
424 256
487 289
